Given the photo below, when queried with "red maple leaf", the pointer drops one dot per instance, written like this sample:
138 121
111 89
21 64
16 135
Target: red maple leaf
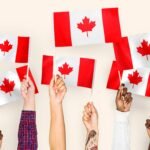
7 86
65 69
86 25
135 78
144 49
6 46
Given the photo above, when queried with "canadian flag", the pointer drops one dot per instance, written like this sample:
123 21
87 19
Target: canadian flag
75 71
22 72
15 49
133 52
115 76
137 81
86 27
9 88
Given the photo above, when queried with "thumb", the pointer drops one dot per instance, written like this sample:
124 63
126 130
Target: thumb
93 108
30 82
52 82
119 93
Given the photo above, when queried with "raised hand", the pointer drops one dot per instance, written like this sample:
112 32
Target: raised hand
90 117
123 99
90 120
1 138
28 94
147 124
57 89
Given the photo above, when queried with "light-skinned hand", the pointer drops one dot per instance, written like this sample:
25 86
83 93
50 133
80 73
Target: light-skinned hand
57 89
28 94
90 117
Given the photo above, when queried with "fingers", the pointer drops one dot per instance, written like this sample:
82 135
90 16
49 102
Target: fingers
87 112
24 84
124 95
52 82
60 84
30 82
1 135
128 97
86 116
120 91
147 124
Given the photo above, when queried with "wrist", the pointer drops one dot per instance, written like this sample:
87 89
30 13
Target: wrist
55 105
93 129
122 110
55 101
29 105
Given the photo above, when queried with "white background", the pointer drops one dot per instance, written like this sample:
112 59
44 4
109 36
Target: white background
32 18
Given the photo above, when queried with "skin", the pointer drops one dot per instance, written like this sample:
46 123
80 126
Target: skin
123 99
28 94
1 138
90 120
147 124
57 92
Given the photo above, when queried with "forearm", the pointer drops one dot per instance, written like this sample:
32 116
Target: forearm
29 105
0 144
92 140
57 128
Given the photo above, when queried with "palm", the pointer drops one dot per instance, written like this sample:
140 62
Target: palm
123 105
30 94
58 95
148 131
123 99
92 123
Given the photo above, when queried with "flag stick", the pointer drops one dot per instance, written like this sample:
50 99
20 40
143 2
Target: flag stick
28 68
119 76
92 89
120 81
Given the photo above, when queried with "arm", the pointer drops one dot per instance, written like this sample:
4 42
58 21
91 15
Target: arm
57 124
147 124
90 120
27 134
121 130
1 138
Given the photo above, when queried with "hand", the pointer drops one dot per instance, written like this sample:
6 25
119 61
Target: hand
123 99
1 138
90 117
147 124
1 135
28 94
57 89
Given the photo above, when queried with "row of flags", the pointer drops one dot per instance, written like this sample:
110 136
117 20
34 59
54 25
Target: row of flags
132 53
14 49
75 71
10 84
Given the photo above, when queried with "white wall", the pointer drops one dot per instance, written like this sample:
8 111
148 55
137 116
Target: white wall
32 18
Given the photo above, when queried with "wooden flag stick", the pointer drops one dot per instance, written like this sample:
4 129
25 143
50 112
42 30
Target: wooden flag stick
119 74
92 89
28 67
